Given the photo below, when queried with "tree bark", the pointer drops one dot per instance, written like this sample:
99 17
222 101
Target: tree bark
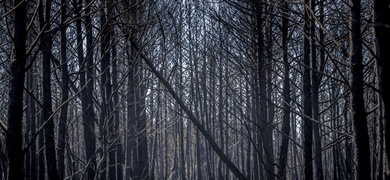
86 83
269 146
46 42
105 124
262 121
62 128
119 146
33 125
315 88
382 28
362 150
283 155
130 143
14 137
142 160
307 100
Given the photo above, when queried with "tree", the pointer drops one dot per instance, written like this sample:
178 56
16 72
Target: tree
286 94
46 44
359 116
315 81
14 139
381 27
86 85
62 129
307 97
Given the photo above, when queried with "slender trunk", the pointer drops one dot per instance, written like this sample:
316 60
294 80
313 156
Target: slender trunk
381 27
283 155
315 88
106 126
153 139
248 141
119 147
33 124
180 87
362 151
255 152
262 95
130 144
27 161
41 145
269 146
380 172
62 130
14 139
86 82
349 161
142 143
307 101
46 42
220 116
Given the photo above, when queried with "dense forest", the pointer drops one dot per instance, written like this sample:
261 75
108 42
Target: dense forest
194 89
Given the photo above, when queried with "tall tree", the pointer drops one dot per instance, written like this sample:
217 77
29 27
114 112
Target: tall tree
262 119
315 80
382 28
283 154
359 115
31 81
14 139
62 129
141 159
86 83
105 124
117 124
307 97
46 45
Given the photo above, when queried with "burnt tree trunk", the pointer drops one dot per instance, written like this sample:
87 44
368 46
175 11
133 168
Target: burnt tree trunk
362 150
286 95
46 43
14 139
62 130
382 28
307 101
86 83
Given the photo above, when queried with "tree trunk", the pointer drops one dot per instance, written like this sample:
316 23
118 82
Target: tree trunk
315 88
142 160
382 28
283 155
14 141
46 42
105 124
262 94
307 101
62 129
86 83
41 146
269 146
33 124
119 146
362 150
130 142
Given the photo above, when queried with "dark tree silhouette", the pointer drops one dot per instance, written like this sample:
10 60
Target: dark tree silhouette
14 139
